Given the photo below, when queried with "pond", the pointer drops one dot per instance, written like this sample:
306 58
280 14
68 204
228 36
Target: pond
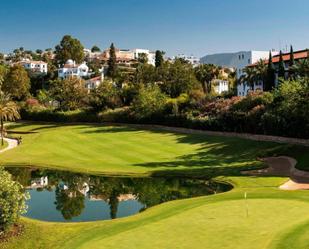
62 196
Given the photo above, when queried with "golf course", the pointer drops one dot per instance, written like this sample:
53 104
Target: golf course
255 214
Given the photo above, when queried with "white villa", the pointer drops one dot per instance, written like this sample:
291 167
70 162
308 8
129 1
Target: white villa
35 66
137 52
71 69
93 83
220 86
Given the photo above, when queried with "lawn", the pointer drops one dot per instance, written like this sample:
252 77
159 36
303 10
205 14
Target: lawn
127 150
276 219
5 144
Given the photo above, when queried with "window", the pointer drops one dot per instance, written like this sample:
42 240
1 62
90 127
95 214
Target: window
239 57
243 57
249 62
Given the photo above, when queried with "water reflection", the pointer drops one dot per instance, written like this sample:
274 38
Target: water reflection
67 196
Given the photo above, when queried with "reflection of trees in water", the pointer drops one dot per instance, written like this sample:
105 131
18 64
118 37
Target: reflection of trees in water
69 202
148 191
113 204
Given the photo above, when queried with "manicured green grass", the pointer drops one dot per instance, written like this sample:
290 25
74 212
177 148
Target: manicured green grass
126 150
276 219
210 222
5 144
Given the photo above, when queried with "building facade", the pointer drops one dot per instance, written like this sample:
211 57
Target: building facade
137 52
127 56
239 61
220 86
94 83
191 59
71 69
35 66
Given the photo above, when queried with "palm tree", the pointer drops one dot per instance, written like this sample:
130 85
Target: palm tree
261 72
8 112
205 74
301 68
249 77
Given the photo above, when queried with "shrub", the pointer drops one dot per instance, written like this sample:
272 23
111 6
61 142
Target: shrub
150 101
12 201
104 97
49 115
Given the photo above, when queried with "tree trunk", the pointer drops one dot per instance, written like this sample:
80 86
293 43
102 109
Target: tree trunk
204 87
2 135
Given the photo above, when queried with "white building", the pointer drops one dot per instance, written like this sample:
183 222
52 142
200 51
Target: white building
94 83
150 55
192 59
220 86
71 69
35 66
239 61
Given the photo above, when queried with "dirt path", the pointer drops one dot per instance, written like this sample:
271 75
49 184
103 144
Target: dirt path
12 143
284 166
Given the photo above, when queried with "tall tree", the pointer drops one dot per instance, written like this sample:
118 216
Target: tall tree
270 75
292 60
205 74
69 48
112 62
17 83
291 64
159 58
281 69
8 112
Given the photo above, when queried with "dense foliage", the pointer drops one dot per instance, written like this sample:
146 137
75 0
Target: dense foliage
69 48
17 82
150 101
170 92
12 201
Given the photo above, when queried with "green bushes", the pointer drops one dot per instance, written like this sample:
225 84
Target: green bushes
149 102
12 201
283 112
49 115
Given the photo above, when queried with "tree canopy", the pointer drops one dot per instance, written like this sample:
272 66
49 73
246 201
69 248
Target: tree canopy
95 48
17 83
69 48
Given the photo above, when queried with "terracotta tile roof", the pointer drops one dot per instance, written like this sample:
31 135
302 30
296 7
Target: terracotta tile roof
95 79
286 57
71 65
33 62
302 54
38 62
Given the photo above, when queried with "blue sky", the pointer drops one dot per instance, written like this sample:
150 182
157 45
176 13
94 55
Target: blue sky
196 27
